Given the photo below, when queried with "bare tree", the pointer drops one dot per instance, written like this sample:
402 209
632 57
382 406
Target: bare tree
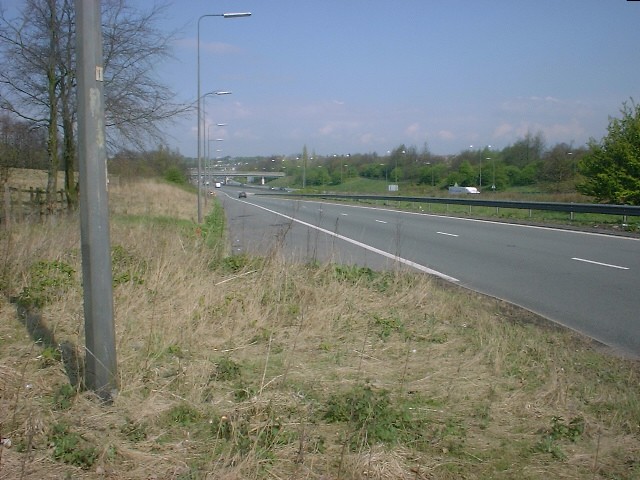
137 103
38 81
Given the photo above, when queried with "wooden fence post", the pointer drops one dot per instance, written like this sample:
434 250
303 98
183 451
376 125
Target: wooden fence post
7 207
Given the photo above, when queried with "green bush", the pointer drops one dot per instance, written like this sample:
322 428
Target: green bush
175 175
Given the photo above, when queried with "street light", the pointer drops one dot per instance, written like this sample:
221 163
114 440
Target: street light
206 139
209 146
204 117
199 98
386 178
430 168
204 103
493 166
341 180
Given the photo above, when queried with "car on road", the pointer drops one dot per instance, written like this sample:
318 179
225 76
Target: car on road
242 195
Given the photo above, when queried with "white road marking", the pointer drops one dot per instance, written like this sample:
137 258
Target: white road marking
381 221
448 234
599 263
396 258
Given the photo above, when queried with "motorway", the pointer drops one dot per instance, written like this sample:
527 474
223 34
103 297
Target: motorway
585 281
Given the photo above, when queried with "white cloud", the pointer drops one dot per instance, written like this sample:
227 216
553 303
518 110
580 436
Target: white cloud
445 135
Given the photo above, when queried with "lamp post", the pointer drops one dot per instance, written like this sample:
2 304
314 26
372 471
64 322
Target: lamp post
386 178
199 98
209 140
100 373
493 167
204 104
489 149
430 168
207 159
396 169
204 170
208 162
209 146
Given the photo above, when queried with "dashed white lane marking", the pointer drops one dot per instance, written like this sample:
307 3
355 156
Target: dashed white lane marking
448 234
380 221
600 263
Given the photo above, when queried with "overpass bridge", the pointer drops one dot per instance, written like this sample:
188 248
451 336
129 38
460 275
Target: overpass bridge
210 176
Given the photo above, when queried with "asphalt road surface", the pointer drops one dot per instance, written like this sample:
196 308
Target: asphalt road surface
585 281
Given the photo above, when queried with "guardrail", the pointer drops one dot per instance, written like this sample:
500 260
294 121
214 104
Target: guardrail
605 209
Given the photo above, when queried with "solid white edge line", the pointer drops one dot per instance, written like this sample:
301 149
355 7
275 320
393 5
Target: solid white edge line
599 263
404 261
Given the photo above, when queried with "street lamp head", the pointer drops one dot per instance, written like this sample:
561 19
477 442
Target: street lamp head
223 92
236 15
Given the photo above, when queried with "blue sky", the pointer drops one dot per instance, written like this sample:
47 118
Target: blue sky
357 76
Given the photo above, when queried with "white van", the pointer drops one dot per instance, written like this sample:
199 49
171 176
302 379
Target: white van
456 189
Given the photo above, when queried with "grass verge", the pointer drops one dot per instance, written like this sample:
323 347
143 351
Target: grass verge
238 367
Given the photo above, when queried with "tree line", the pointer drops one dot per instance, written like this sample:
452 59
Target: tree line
608 170
528 161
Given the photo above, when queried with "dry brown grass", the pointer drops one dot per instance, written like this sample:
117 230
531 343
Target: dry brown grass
228 367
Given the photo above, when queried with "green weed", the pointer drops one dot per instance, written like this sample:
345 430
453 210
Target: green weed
134 431
365 276
175 351
560 430
63 396
213 227
69 447
387 325
226 369
183 415
374 415
50 356
49 281
126 267
236 263
258 430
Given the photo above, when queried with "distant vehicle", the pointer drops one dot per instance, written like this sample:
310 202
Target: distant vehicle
242 195
456 189
218 184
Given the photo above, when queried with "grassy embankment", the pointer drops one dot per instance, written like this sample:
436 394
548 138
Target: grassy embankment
246 368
